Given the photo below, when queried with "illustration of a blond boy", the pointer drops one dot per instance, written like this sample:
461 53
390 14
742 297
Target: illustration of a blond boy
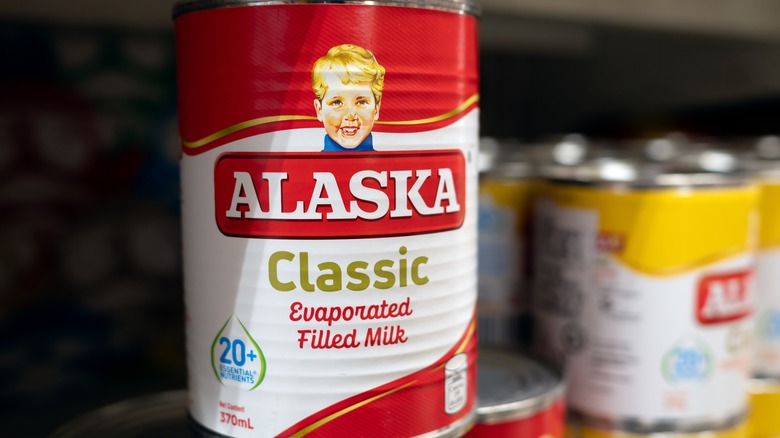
347 83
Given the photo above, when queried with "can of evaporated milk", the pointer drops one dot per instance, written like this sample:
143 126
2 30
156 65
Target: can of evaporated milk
329 247
644 293
505 195
517 397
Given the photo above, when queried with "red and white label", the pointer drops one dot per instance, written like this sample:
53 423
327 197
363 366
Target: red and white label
724 297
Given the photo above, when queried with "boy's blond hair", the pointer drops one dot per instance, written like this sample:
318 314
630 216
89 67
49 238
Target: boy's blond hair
352 64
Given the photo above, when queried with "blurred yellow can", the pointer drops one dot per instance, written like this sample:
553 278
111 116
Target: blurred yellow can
764 419
505 196
644 294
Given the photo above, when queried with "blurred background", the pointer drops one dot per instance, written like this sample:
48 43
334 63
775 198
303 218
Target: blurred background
90 267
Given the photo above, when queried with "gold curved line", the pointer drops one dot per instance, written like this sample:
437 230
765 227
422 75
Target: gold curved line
265 120
686 267
329 418
239 127
472 328
462 347
462 107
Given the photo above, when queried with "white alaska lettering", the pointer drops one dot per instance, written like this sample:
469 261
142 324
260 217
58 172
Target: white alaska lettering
326 193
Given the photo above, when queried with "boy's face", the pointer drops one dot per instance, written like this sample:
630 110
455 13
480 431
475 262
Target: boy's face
347 111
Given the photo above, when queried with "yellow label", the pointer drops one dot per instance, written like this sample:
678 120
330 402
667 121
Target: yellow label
514 194
668 231
769 206
764 409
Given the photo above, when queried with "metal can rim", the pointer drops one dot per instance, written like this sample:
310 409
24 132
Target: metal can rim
767 169
466 7
646 178
762 384
453 430
659 428
511 170
520 409
133 411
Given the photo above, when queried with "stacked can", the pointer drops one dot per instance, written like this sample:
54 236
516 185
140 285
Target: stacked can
643 295
765 387
507 189
505 195
329 248
517 397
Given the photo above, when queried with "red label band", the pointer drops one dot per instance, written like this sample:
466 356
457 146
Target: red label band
724 297
244 71
547 423
339 195
410 406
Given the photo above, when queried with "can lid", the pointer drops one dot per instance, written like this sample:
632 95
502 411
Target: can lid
634 174
768 147
468 7
511 386
503 159
162 414
765 168
699 427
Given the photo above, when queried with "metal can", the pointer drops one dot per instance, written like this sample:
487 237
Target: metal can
517 397
162 414
644 293
766 360
505 196
330 274
764 407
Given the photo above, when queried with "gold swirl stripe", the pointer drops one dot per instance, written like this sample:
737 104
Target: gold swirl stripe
462 107
272 119
239 127
469 335
332 417
462 347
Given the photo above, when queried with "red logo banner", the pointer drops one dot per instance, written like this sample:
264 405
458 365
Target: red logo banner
724 297
339 195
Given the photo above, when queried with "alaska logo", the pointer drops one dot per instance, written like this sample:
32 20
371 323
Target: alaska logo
724 297
339 195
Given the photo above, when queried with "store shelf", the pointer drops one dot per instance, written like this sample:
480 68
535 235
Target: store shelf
755 19
569 61
137 14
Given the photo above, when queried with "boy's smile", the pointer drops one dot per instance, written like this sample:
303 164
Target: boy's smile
347 111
